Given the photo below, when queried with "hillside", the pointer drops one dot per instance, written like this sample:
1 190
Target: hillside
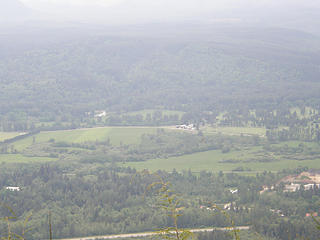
212 68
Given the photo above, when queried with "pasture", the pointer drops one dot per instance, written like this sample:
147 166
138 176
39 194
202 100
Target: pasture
235 131
217 161
18 158
117 136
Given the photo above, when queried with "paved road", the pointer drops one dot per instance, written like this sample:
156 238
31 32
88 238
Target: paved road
147 234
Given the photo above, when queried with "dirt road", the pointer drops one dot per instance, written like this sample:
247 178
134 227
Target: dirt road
147 234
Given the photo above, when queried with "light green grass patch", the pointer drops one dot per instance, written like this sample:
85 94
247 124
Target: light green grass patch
8 135
49 124
209 161
197 162
221 117
117 135
296 144
18 158
235 131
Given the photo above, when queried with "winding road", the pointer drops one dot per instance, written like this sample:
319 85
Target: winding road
147 234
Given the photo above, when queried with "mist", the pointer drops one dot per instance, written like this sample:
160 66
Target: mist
127 117
288 14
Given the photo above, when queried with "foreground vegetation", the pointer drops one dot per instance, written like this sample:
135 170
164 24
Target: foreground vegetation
98 199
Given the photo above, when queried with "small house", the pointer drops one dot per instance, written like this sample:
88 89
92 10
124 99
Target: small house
13 189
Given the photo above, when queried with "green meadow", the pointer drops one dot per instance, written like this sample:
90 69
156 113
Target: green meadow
245 159
215 161
235 131
18 158
117 136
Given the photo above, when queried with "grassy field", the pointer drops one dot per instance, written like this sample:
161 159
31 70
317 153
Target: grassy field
209 160
117 135
297 143
18 158
213 161
8 135
236 131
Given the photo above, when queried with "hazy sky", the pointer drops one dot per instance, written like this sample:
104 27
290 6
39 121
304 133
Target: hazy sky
196 3
42 3
129 10
114 11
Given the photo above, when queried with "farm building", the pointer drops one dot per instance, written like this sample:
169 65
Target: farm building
13 189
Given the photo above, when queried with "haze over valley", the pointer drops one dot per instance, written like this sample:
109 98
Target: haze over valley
126 117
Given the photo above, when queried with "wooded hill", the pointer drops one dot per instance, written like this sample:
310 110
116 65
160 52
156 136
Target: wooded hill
188 68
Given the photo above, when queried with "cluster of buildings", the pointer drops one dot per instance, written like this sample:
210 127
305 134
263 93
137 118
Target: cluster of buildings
190 127
233 191
13 189
97 113
293 187
227 206
314 214
305 180
266 188
279 212
100 113
207 208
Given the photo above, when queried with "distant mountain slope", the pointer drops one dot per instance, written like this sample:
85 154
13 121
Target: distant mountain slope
208 69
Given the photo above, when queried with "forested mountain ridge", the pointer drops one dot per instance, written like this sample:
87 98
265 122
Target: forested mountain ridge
217 67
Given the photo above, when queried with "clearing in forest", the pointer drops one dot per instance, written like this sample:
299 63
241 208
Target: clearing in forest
250 160
235 131
117 136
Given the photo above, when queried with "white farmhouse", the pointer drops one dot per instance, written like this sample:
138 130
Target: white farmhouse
13 189
100 113
293 187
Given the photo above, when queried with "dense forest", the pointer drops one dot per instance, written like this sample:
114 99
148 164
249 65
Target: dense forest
96 199
219 68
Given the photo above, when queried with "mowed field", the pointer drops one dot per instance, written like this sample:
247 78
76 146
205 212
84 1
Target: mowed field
213 161
18 158
209 160
117 135
235 131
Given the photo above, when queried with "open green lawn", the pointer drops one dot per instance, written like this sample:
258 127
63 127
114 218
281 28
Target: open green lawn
209 161
18 158
8 135
126 135
297 143
237 131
